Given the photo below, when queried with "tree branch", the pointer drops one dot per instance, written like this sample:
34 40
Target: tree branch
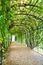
34 16
24 4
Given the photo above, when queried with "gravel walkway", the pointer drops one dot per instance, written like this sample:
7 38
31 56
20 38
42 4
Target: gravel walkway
21 55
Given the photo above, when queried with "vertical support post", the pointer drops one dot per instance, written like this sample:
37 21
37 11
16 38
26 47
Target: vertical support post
37 37
21 38
1 54
26 36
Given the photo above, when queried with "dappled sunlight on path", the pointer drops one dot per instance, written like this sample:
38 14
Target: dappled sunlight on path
21 55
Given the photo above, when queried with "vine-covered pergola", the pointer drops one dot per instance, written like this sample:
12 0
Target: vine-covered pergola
28 17
24 18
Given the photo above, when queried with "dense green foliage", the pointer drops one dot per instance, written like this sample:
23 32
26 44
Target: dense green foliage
23 18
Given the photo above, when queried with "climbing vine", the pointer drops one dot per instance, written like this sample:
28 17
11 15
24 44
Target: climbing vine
23 18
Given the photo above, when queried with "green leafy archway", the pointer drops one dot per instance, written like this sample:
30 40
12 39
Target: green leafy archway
24 18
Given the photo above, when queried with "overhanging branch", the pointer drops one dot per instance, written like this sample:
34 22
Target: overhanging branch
34 16
24 4
22 24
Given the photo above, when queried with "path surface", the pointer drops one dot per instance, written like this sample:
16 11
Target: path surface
21 55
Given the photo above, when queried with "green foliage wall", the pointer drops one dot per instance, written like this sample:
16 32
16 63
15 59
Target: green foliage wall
25 18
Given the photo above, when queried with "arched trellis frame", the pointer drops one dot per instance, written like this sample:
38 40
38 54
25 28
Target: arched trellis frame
31 6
